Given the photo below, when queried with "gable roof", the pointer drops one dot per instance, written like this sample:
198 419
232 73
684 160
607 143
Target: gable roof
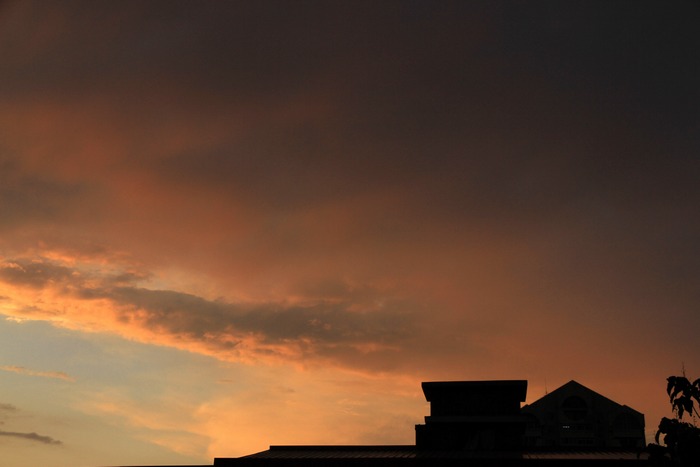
574 386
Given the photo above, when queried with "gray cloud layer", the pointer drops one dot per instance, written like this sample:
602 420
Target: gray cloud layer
321 327
27 197
8 410
31 437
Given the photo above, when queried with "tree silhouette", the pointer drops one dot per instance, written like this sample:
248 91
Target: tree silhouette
681 439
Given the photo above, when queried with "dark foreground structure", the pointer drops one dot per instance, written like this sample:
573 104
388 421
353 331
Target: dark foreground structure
481 424
573 417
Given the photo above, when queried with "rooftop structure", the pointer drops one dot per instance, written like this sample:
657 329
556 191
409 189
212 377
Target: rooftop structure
576 417
473 416
478 423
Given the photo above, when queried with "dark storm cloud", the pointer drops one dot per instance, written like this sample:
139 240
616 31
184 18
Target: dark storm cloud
637 54
527 121
537 97
28 197
31 437
245 46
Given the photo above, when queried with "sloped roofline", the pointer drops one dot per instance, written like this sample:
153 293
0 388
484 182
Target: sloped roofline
576 383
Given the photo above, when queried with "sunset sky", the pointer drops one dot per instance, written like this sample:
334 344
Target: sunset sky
225 225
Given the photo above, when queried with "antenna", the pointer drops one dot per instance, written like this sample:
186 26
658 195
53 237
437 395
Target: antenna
545 386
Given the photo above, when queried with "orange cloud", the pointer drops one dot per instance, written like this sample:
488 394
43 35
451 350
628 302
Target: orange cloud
44 374
336 331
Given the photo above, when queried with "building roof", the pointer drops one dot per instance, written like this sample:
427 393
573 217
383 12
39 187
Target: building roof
565 388
335 452
433 388
393 454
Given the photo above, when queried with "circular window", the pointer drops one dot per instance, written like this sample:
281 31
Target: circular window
574 408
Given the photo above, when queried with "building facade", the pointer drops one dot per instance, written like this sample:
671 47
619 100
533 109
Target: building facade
575 417
481 423
473 416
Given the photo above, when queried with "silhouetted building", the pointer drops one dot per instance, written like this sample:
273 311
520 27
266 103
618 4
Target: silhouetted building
481 424
575 417
473 416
